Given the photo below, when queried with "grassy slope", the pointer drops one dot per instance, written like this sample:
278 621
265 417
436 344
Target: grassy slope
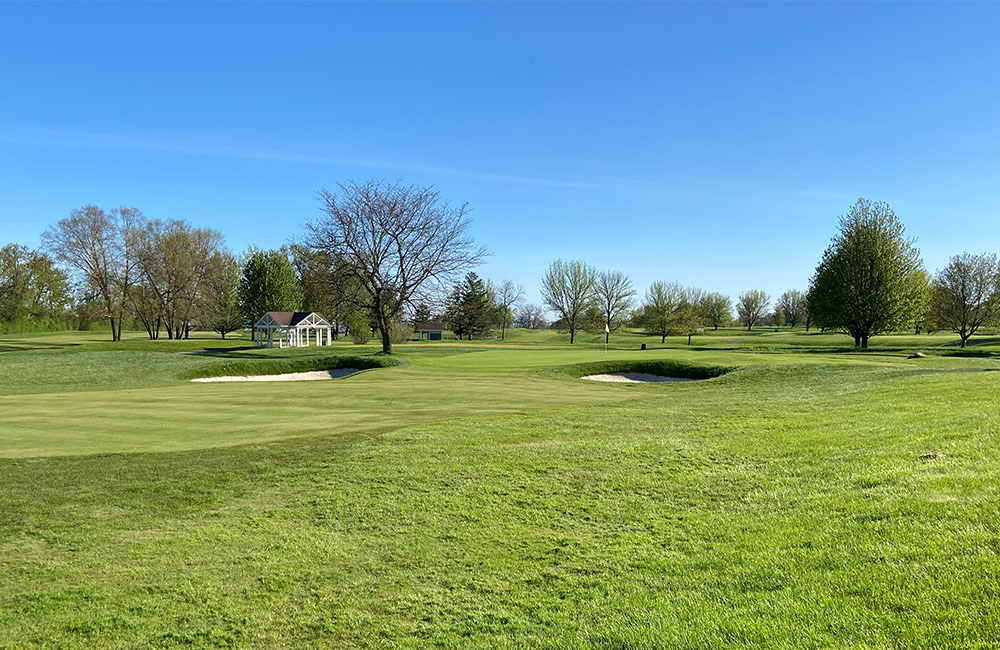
788 504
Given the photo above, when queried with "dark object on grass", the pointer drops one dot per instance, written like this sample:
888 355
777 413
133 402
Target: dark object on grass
643 347
917 355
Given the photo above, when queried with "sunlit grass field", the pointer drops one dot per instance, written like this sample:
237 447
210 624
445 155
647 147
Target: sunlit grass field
479 495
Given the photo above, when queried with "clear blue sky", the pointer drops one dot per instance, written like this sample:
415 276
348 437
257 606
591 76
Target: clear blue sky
715 143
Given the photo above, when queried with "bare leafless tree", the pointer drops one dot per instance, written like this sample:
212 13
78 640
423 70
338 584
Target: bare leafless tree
568 289
507 295
615 296
402 243
101 247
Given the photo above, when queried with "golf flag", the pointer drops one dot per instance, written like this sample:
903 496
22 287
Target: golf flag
607 330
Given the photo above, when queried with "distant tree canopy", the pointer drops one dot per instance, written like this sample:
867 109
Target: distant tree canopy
568 290
867 282
751 306
401 244
267 283
470 307
965 294
530 317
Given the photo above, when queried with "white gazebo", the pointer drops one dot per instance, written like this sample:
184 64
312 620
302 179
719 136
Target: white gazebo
293 329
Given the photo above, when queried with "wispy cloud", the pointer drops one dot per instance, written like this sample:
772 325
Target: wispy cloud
181 146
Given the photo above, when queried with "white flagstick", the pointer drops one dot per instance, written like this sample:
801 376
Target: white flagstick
607 335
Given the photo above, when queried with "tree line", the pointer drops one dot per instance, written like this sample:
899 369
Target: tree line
381 253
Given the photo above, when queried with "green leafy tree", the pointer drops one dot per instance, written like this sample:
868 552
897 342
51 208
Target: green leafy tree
267 283
866 283
661 310
716 310
751 306
792 305
220 298
568 290
923 315
965 294
687 317
34 293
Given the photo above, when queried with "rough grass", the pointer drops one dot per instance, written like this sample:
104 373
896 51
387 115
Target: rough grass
808 499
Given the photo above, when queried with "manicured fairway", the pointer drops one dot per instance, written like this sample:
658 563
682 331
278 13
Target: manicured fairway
480 496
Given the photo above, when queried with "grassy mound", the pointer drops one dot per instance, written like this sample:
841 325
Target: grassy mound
237 367
661 367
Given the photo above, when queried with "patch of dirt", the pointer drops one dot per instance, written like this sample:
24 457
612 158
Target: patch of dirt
934 455
312 375
634 378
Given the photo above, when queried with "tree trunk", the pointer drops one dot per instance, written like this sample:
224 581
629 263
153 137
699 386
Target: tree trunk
964 339
663 338
572 335
716 327
503 330
857 341
689 338
864 342
607 337
386 340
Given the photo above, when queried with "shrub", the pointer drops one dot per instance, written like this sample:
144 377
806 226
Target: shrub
400 331
359 328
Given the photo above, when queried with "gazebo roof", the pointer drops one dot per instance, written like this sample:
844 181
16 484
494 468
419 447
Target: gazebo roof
430 326
291 318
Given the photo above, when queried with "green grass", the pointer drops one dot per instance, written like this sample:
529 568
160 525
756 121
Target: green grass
479 496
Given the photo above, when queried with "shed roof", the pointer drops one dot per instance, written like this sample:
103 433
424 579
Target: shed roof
430 326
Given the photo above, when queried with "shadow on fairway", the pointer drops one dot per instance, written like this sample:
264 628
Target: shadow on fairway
13 345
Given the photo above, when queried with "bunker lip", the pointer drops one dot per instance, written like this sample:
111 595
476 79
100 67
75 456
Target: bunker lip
312 375
635 378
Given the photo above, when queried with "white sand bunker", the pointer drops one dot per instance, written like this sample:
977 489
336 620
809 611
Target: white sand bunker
312 375
634 378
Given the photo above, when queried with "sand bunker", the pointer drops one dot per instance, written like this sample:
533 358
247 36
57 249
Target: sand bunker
634 378
312 375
